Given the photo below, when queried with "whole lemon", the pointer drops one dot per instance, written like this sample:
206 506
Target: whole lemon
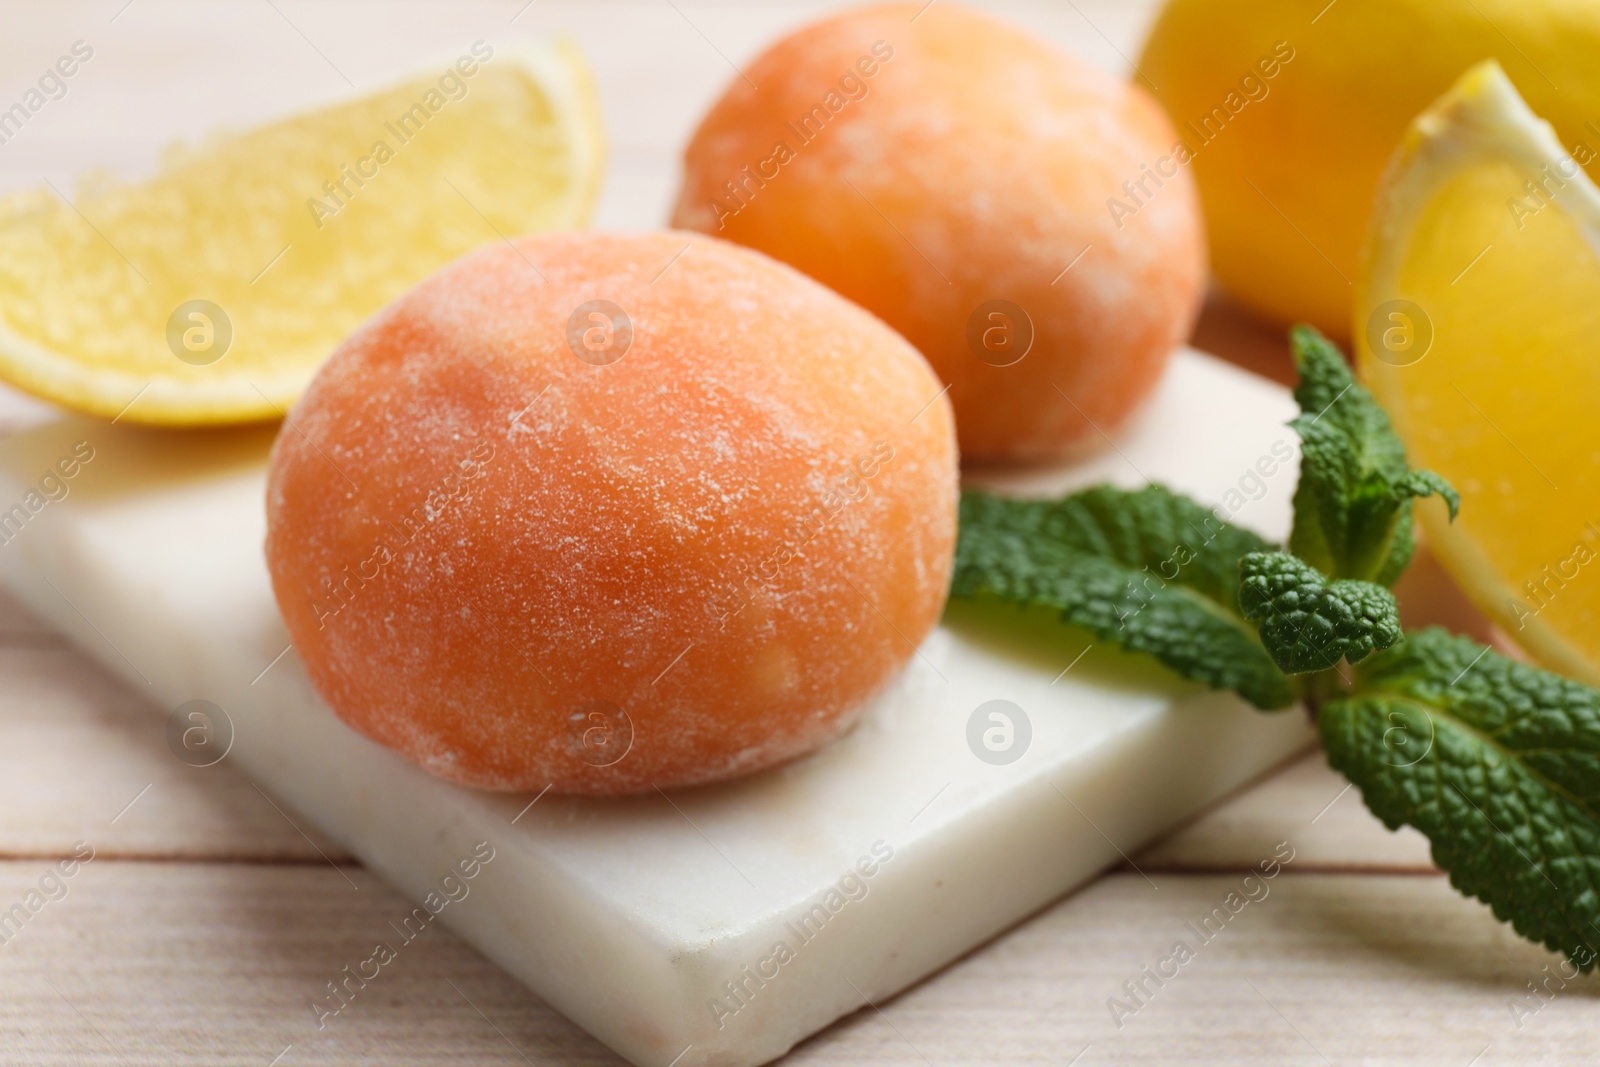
1288 111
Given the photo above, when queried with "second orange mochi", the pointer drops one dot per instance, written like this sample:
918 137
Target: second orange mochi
965 182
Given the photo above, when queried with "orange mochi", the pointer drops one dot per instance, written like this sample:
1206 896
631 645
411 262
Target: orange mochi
965 181
609 512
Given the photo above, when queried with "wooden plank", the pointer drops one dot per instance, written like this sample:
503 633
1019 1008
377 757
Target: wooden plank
168 964
1322 969
18 626
218 964
84 758
19 411
1307 804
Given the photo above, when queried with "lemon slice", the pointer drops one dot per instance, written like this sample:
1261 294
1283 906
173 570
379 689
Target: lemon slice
1478 326
210 293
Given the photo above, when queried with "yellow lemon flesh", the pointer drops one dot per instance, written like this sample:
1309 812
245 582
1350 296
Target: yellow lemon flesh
210 293
1288 164
1479 329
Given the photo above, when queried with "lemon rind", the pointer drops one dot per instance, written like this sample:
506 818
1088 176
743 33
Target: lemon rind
560 71
1481 118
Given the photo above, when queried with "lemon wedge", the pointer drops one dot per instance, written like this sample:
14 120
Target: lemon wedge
211 292
1478 326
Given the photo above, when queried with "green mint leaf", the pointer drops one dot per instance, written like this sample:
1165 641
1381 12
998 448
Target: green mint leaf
1497 763
1309 623
1402 537
1352 506
1427 483
1149 570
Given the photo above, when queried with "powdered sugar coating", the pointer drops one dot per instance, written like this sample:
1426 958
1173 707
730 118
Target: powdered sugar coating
735 533
965 161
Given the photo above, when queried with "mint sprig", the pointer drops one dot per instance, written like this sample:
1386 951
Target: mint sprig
1497 763
1309 623
1352 513
1149 570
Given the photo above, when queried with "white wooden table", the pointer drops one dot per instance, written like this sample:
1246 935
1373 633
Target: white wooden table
208 918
